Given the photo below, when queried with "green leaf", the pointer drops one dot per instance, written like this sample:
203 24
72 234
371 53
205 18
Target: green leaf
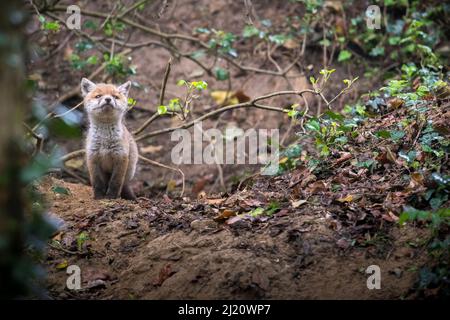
256 212
313 125
199 85
51 26
422 91
250 31
92 60
198 54
174 104
61 190
344 55
89 24
278 38
396 134
335 116
383 134
272 208
162 110
81 239
131 102
222 74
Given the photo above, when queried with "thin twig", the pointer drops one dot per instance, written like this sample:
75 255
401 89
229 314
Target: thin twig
164 83
167 167
131 8
39 139
161 99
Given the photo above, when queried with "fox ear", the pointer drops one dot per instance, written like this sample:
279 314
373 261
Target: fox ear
125 88
87 86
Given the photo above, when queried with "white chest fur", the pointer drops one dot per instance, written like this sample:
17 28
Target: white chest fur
106 139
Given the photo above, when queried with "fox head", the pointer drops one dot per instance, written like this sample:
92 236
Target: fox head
105 102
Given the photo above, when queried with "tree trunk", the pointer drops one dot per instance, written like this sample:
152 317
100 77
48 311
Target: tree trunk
13 105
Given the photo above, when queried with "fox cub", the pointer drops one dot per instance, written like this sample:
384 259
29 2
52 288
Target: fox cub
112 153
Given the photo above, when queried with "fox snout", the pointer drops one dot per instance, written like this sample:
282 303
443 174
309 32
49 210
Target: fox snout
107 101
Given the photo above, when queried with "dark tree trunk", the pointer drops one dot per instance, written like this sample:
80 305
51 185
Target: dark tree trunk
13 105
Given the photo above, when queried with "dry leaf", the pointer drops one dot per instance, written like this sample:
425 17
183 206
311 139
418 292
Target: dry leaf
215 202
344 156
390 217
291 43
225 215
298 203
241 96
348 198
395 103
171 185
318 186
224 97
234 219
64 264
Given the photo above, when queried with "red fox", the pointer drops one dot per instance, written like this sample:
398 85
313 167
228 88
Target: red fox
112 153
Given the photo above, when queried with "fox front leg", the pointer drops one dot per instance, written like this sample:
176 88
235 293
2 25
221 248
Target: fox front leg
117 178
98 180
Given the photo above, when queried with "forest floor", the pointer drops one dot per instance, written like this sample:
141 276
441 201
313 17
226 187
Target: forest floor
178 249
315 243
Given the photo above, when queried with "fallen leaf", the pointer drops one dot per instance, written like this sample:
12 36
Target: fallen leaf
234 219
215 202
416 181
318 186
256 212
171 185
390 217
251 203
344 156
241 96
298 203
62 265
291 43
395 103
57 237
348 198
224 97
225 214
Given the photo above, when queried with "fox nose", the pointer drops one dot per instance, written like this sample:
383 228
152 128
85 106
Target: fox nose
108 100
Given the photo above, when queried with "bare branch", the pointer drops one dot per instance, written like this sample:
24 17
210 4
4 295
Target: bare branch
161 99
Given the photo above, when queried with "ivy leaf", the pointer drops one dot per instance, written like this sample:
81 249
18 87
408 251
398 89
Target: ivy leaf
396 135
222 74
383 134
250 31
313 125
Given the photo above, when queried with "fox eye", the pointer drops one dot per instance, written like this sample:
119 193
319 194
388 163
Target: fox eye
98 96
115 97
